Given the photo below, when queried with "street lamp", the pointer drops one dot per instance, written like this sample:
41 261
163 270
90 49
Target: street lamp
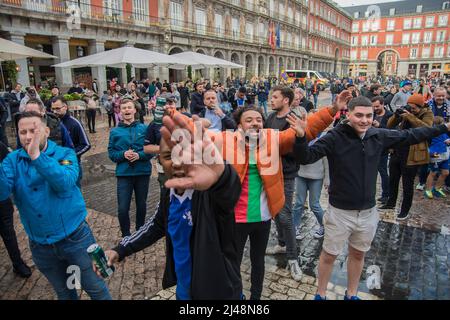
80 51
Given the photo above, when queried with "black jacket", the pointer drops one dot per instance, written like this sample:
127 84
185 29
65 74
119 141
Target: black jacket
215 263
354 162
307 104
3 151
197 105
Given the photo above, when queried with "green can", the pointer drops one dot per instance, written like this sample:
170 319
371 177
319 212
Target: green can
160 102
99 258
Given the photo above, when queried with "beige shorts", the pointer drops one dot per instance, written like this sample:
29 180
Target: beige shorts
356 226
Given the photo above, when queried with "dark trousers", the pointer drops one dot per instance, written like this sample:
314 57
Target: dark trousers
259 235
125 187
3 137
90 114
398 169
113 118
423 174
383 171
7 231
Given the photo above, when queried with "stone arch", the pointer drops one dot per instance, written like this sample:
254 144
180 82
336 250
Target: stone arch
249 66
297 64
261 66
236 59
271 66
176 75
281 65
175 50
387 62
219 73
289 63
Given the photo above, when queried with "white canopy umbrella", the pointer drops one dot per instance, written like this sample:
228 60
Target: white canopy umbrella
120 57
199 61
10 50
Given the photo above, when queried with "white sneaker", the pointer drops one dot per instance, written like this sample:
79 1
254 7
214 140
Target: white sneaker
276 249
420 187
319 233
298 235
296 272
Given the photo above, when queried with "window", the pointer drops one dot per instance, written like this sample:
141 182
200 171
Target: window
176 14
375 25
113 8
364 40
353 54
446 5
355 40
427 36
389 39
249 31
425 52
443 21
417 23
281 9
415 37
440 36
140 11
405 38
262 32
448 52
297 41
200 20
390 25
297 17
419 8
407 24
289 39
363 54
413 53
392 12
271 6
373 40
355 27
429 22
235 28
218 23
365 26
438 52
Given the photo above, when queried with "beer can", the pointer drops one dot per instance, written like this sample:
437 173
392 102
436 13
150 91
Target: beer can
160 101
99 258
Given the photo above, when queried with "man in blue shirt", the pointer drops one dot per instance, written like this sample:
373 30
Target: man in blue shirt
42 177
215 115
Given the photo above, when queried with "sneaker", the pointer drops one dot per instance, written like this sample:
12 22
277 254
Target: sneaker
298 235
22 270
428 194
386 207
319 297
346 297
319 233
439 193
276 249
403 216
296 272
420 187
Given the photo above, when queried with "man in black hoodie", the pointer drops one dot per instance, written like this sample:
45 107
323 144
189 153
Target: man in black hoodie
352 149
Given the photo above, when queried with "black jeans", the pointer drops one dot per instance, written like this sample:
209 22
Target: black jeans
423 174
111 116
7 231
259 235
3 137
398 169
383 171
90 114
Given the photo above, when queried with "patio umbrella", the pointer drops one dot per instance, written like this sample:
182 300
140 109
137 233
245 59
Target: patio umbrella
200 61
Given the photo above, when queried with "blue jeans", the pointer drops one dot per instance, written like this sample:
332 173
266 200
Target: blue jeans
333 97
383 170
315 97
263 104
53 261
125 187
302 186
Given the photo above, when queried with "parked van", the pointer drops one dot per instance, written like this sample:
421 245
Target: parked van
302 75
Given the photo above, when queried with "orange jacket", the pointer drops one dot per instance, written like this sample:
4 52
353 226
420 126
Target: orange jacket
268 161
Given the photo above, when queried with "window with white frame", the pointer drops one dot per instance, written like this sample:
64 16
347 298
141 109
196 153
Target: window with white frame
355 27
355 40
200 20
419 8
37 5
176 14
236 2
389 39
281 9
438 52
249 31
407 24
440 36
218 22
373 40
113 8
415 37
297 41
429 22
392 11
235 28
353 54
413 53
365 26
297 17
262 32
417 23
364 54
425 52
289 39
290 14
364 40
271 6
443 21
446 5
405 38
140 11
427 36
390 25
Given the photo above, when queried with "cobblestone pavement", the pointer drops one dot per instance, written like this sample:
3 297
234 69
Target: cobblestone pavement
413 256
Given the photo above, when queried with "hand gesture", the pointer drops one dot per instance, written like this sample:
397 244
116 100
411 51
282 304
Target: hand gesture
111 256
375 123
198 176
297 124
33 148
219 111
342 100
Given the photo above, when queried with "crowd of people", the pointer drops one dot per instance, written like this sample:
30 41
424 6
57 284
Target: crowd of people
262 166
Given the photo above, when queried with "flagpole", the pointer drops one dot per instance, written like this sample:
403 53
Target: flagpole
3 76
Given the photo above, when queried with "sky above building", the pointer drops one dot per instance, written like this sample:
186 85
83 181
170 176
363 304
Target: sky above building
347 3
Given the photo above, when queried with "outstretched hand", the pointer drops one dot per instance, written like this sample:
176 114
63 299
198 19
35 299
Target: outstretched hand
297 124
342 100
200 159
